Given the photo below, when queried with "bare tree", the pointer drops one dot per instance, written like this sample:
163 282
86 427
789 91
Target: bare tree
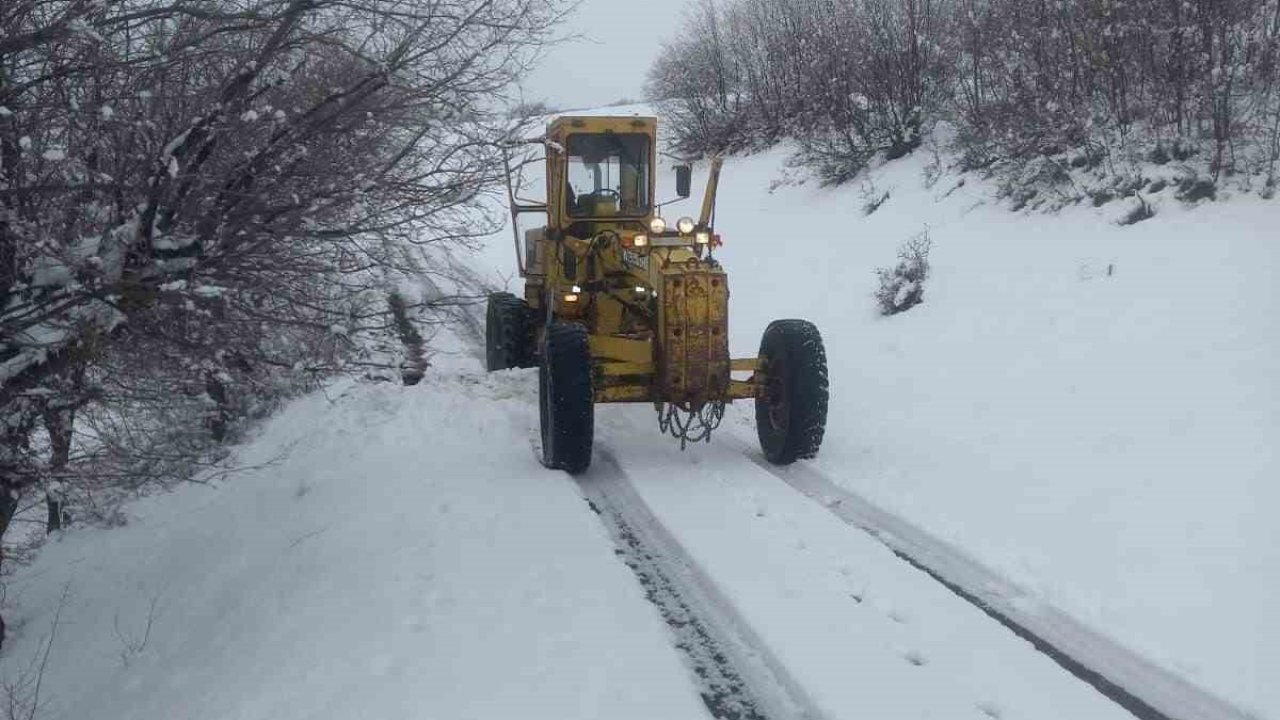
1103 85
202 205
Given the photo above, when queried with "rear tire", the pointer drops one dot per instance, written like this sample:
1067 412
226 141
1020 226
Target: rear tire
791 416
565 398
508 336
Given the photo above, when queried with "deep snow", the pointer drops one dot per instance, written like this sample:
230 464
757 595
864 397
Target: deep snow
404 556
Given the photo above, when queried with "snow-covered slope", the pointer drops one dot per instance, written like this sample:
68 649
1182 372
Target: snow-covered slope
1091 409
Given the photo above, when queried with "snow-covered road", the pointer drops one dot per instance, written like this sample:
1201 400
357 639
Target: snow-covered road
1145 689
405 556
401 554
736 674
860 628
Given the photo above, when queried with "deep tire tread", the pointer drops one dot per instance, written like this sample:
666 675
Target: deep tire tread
566 399
796 346
508 333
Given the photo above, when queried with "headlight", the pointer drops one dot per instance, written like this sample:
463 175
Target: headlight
573 294
703 237
657 226
640 240
685 225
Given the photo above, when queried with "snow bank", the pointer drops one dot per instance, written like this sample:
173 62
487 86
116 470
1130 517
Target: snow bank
399 554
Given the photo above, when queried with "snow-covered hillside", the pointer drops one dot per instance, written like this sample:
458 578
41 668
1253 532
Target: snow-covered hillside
1091 409
1087 409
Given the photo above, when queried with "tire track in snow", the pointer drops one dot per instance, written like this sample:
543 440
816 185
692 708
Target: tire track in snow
731 663
1145 689
738 678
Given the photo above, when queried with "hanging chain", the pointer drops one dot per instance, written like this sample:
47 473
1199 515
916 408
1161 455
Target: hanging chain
690 426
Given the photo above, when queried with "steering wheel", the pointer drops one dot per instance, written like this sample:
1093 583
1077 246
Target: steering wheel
607 193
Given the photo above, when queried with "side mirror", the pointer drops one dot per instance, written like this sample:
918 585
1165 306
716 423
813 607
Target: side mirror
684 177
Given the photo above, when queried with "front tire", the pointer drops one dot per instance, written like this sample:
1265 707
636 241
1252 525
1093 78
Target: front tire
507 333
566 401
791 415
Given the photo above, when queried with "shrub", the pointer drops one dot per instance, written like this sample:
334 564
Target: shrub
1139 212
872 198
902 287
1193 189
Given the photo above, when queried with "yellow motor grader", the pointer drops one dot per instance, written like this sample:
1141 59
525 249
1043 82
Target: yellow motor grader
621 307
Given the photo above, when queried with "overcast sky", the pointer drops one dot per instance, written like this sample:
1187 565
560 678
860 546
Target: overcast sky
620 39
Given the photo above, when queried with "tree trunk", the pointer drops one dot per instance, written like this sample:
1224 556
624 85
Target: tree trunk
58 422
14 439
217 391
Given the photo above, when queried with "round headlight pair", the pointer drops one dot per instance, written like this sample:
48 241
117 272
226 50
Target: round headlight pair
685 225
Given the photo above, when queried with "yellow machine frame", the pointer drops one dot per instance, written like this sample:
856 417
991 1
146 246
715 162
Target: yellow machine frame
655 303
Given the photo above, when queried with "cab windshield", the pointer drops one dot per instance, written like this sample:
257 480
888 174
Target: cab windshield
608 174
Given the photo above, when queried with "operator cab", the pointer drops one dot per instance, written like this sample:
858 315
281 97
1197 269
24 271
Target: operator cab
607 175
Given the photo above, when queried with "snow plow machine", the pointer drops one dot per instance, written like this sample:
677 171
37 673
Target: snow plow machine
620 307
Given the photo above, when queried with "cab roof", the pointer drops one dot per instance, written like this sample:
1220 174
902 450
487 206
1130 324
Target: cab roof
566 124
